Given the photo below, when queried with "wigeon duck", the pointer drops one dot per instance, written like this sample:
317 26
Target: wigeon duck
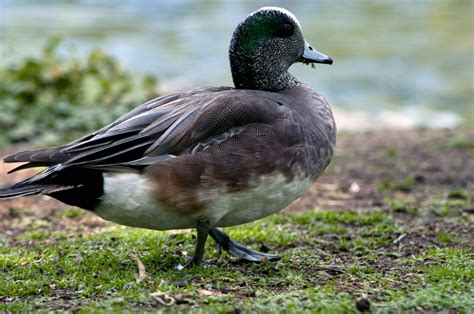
205 158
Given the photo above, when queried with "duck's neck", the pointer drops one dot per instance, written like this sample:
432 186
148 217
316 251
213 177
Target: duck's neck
261 71
255 78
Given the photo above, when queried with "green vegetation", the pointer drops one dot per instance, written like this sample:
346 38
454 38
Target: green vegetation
330 260
53 99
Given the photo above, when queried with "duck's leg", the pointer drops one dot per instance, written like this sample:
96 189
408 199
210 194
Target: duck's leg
239 250
202 228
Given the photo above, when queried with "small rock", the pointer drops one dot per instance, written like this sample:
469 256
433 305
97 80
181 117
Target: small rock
181 283
264 248
377 203
354 188
419 178
363 305
235 311
405 188
469 210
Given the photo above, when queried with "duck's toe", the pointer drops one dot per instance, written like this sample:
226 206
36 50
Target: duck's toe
239 250
246 254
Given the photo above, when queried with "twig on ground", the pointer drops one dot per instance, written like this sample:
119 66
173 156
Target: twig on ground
333 268
400 238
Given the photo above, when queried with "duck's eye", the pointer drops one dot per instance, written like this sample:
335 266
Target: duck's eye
285 30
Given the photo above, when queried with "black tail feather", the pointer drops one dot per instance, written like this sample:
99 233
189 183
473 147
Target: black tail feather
80 187
50 155
28 165
20 190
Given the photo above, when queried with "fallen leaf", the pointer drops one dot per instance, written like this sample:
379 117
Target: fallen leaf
141 270
163 298
206 293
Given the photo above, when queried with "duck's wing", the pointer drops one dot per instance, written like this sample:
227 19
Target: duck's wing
160 128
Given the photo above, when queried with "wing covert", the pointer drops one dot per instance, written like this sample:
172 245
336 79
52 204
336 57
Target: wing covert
164 126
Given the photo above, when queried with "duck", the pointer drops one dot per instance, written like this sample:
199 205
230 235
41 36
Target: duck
205 158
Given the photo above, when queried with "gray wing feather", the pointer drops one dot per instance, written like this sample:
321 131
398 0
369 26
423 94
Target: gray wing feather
165 126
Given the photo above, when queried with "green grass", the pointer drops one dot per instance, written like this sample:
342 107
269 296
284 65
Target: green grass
330 260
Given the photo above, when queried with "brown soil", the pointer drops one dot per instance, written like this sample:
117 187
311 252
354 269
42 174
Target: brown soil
369 167
369 170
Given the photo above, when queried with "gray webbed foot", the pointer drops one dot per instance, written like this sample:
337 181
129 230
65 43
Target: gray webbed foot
239 250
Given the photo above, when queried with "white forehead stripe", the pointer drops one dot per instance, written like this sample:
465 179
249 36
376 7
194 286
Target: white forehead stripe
285 11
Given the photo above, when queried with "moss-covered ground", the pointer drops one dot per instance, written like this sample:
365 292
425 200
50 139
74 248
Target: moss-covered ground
388 228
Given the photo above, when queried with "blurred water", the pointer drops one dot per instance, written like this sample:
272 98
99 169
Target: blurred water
396 62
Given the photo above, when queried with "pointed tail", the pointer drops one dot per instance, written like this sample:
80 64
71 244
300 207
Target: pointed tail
26 189
36 185
79 187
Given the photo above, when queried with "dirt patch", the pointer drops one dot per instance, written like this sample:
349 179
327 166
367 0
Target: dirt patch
371 167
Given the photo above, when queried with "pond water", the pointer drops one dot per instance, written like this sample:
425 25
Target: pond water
397 63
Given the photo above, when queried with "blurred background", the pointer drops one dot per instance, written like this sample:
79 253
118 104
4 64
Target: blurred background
398 64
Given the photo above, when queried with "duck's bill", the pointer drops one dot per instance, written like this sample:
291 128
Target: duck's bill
311 55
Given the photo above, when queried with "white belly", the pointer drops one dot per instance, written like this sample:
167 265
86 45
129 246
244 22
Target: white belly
127 200
267 197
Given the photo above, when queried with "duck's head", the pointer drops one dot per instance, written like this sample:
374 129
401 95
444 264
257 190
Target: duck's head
264 45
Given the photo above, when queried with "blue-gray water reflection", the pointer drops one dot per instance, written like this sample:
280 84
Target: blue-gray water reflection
411 58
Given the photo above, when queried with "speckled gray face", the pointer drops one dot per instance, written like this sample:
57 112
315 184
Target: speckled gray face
265 45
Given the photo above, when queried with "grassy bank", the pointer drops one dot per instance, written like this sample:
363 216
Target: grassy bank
57 97
388 227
